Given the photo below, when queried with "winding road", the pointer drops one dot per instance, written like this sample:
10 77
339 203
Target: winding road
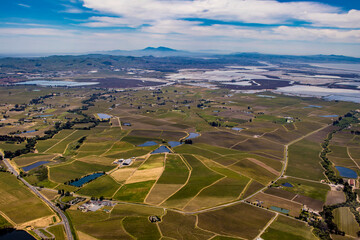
64 219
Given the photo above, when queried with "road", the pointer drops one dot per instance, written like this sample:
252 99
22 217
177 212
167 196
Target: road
64 219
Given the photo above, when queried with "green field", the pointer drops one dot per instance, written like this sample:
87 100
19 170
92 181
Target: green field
103 186
134 192
288 229
346 222
15 196
200 177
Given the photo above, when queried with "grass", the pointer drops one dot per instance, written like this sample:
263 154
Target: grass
304 160
4 223
18 203
103 186
76 169
177 226
154 161
200 177
310 189
11 146
241 220
58 231
175 171
141 228
346 222
288 229
124 210
134 192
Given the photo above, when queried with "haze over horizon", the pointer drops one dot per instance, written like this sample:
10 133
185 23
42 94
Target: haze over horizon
265 26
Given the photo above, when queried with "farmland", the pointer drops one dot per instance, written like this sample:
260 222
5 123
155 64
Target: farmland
212 181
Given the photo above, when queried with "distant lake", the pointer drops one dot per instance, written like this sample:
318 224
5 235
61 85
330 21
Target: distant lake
330 116
282 210
346 172
148 144
161 149
46 83
237 129
193 135
174 144
313 106
11 234
103 116
343 66
86 179
34 165
44 116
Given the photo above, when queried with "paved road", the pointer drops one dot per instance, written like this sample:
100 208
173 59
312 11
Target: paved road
50 204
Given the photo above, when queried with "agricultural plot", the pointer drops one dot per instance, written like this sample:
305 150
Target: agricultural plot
269 201
103 186
18 203
310 189
227 139
134 192
200 177
280 193
4 146
76 169
172 179
242 220
304 160
177 226
261 145
335 197
141 228
288 229
345 220
31 158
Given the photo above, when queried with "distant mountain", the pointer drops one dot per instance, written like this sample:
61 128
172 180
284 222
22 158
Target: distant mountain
155 52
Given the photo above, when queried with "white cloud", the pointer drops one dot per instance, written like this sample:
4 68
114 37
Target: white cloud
248 11
24 5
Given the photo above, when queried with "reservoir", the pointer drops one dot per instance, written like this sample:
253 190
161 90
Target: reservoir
34 165
346 172
192 135
11 234
161 149
148 144
174 144
86 179
103 116
46 83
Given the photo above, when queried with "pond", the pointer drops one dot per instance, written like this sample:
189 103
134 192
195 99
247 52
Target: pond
46 83
34 165
103 116
44 116
148 144
287 184
174 144
329 116
30 131
237 129
265 96
86 179
313 106
346 172
192 135
282 210
10 234
161 149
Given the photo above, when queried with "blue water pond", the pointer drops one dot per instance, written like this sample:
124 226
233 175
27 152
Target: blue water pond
313 106
282 210
103 116
237 129
161 149
287 184
174 144
148 144
346 172
193 135
329 116
86 179
34 165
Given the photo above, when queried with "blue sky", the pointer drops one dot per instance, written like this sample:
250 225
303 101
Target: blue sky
267 26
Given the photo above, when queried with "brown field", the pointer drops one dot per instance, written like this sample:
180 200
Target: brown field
335 197
271 200
261 145
280 193
122 174
97 160
309 202
241 220
145 175
252 188
161 192
227 139
177 226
